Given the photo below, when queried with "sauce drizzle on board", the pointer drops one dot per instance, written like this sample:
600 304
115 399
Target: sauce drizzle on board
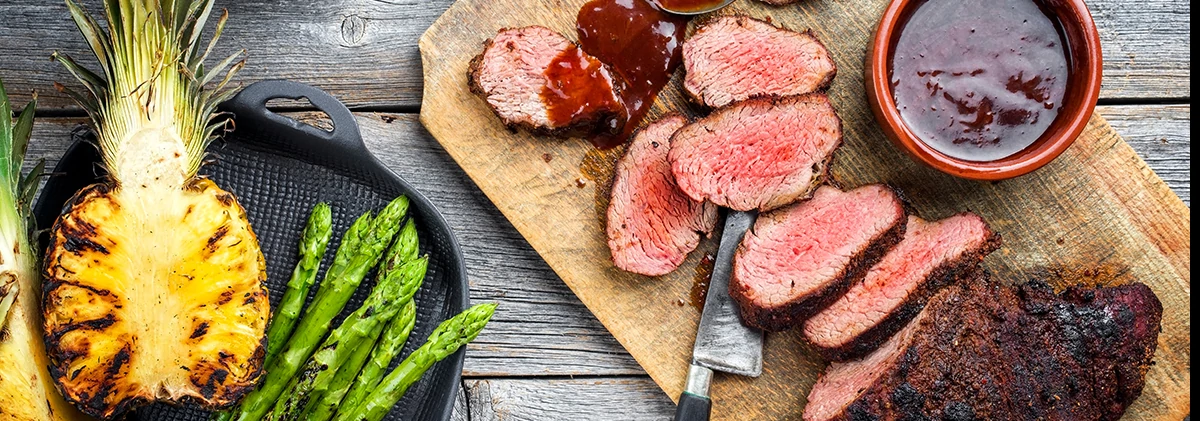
979 80
642 43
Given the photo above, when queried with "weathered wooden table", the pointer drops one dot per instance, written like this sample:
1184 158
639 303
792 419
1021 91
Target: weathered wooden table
544 357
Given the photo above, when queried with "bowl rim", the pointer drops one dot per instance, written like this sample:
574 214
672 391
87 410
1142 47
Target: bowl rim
1040 153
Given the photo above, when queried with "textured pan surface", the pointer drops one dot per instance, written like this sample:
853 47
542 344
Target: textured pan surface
279 169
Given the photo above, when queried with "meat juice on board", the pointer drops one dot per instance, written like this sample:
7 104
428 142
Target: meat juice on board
979 80
642 43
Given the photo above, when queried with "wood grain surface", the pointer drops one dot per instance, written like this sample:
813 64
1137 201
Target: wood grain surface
1098 207
364 51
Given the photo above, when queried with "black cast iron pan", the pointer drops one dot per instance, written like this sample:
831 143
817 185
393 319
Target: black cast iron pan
279 168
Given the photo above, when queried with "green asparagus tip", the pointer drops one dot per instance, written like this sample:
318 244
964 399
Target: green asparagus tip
321 219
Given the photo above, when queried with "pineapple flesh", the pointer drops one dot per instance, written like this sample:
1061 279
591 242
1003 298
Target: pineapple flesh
27 391
153 279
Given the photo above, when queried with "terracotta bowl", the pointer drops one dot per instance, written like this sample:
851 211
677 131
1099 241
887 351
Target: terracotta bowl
1083 88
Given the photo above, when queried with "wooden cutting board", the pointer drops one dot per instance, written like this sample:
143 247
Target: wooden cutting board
1096 212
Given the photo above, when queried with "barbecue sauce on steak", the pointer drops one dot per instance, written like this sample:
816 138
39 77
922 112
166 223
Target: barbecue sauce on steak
642 43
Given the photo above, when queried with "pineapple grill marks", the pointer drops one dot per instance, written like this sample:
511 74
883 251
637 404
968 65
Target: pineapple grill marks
167 326
153 279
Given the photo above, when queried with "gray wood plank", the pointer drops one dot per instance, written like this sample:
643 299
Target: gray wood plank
1146 45
462 411
365 52
601 399
541 329
1162 137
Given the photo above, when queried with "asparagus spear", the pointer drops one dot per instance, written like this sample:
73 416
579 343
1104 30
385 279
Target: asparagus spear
335 291
405 249
390 344
447 338
384 348
278 408
313 242
392 292
382 355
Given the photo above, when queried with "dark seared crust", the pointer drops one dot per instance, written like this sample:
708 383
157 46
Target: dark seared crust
585 127
990 352
787 316
696 100
964 269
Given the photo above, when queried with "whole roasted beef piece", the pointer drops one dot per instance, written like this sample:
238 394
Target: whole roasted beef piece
988 352
734 58
652 226
798 259
535 79
761 153
931 256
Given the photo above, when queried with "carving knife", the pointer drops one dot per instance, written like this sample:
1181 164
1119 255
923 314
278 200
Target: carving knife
723 343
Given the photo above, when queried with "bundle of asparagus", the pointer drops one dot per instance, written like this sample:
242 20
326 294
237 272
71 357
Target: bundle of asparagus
343 378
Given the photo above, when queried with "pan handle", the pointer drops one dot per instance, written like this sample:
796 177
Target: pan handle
251 103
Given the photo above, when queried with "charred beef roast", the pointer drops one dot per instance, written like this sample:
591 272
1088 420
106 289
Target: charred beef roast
981 351
931 256
797 260
734 58
652 226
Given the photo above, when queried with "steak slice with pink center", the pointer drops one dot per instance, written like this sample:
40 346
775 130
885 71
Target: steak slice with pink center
652 226
535 79
762 153
931 256
797 260
734 58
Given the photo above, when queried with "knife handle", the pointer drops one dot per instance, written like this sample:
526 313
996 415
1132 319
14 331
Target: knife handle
693 408
694 403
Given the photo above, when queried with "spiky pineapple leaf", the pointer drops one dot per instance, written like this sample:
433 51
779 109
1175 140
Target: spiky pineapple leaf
152 61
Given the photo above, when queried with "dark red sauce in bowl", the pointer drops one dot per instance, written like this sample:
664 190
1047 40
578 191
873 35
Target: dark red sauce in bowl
979 80
642 43
938 96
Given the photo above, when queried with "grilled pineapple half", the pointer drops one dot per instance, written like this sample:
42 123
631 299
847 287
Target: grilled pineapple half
26 390
153 287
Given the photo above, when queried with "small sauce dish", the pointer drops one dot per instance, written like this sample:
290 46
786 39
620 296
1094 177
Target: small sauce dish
975 88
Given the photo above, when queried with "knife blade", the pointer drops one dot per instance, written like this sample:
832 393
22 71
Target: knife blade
723 343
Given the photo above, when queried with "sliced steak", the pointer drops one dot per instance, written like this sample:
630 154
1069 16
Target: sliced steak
930 257
535 79
990 352
652 226
734 58
762 153
797 260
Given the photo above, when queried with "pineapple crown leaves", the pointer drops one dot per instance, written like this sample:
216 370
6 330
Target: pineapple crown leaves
18 191
152 70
